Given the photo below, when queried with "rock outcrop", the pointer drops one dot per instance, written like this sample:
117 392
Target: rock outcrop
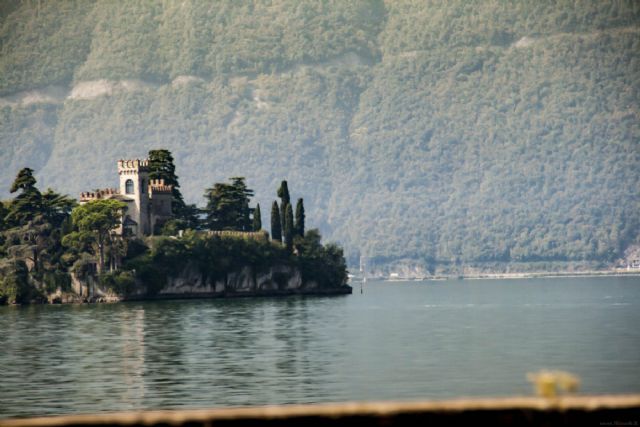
276 280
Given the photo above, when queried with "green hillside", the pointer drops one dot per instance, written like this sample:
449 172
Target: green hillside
439 132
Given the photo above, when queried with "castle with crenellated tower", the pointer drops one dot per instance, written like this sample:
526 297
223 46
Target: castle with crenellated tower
148 200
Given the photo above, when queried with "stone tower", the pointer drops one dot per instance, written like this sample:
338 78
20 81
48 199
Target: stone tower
148 201
134 181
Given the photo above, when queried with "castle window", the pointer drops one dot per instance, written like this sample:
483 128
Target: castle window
128 186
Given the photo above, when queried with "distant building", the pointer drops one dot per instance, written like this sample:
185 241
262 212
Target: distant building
148 201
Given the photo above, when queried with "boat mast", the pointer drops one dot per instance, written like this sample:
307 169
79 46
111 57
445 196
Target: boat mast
363 270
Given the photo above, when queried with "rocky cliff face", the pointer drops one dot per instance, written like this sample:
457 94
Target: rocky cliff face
277 279
191 283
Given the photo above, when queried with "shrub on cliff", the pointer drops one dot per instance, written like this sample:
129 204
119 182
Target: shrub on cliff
214 257
119 282
14 284
323 264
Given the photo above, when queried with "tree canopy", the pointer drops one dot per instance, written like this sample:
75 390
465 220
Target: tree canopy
96 222
228 206
31 228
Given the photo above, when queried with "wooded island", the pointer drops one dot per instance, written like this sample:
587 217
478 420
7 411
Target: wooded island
142 241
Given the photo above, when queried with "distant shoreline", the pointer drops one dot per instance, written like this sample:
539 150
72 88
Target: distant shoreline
549 274
527 275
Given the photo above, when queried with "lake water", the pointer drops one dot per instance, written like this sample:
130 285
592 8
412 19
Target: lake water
397 340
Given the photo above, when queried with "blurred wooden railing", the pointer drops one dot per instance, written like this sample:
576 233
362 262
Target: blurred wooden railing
618 410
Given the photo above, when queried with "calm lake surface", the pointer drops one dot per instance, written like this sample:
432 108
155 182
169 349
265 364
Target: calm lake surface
397 340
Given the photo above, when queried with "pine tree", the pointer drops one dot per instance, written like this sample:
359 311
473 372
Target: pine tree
276 226
56 208
27 205
288 227
24 181
96 220
228 206
299 225
161 166
257 218
33 221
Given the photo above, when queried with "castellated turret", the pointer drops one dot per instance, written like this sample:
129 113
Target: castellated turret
148 201
105 193
158 186
161 197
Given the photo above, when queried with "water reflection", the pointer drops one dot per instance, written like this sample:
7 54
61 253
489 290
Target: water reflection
133 349
395 341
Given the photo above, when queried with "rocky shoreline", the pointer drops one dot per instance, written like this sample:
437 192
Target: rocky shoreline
70 298
343 290
276 281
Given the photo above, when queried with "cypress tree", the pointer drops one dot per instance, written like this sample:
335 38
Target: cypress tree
288 227
276 227
285 199
257 218
283 193
299 226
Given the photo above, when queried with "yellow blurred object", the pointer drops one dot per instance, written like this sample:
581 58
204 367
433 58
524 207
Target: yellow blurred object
550 383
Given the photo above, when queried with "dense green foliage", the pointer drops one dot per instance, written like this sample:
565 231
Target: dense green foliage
14 283
95 222
31 229
324 264
214 258
444 132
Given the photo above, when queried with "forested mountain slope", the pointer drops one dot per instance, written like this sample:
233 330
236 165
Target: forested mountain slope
433 131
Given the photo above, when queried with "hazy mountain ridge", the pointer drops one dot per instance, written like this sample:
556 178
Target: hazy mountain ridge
414 130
